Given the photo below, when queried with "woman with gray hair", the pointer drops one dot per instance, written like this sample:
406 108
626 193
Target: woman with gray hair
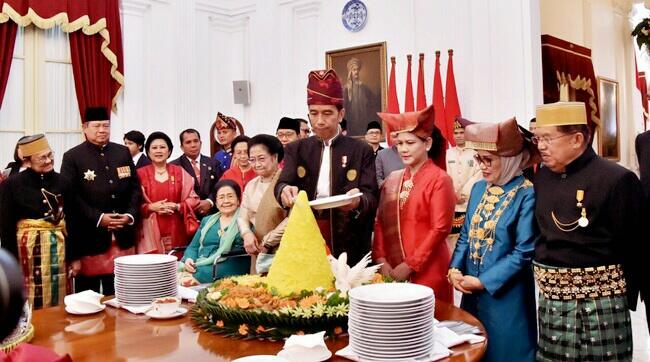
491 264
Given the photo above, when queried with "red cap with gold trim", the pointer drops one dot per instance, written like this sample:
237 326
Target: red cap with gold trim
324 88
420 123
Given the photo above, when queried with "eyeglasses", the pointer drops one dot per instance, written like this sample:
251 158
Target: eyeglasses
373 133
45 158
546 139
483 160
286 134
254 160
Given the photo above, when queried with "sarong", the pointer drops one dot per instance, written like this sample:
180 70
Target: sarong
41 250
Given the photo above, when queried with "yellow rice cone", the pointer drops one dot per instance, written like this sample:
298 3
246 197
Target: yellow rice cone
301 261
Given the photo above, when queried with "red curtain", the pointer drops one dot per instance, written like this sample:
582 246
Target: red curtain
95 42
570 64
7 39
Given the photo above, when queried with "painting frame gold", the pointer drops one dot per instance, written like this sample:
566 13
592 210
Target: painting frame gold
609 132
372 73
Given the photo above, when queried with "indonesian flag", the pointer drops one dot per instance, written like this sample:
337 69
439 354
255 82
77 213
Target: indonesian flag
421 97
408 98
439 102
642 86
393 102
452 108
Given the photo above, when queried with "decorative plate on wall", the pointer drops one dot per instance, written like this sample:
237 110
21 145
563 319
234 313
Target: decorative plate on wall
354 15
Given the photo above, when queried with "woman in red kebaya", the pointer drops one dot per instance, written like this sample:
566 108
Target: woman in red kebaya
416 206
168 198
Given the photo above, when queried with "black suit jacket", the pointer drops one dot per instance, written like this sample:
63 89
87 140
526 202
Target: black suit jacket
143 161
642 146
104 180
210 175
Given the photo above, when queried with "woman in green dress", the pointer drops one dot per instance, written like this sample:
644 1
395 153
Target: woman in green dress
218 234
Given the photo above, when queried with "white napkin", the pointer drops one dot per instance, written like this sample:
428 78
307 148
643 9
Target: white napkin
187 293
133 309
438 351
87 301
450 338
305 348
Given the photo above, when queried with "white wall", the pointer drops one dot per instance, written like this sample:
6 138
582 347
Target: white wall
181 56
604 27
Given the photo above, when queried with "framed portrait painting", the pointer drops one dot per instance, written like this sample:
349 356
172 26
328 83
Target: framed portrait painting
609 131
362 71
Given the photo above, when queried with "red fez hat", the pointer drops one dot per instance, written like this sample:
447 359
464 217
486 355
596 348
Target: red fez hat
324 88
420 123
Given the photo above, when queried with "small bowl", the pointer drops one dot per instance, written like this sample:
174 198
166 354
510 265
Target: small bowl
166 305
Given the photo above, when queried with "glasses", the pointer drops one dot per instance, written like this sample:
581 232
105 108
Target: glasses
285 134
483 160
44 159
373 133
254 160
546 139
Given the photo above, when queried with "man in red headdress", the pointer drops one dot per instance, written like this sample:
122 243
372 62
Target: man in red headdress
331 164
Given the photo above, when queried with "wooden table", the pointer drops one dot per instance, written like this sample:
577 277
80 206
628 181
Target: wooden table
117 335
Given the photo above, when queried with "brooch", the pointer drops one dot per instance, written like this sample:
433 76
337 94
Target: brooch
89 175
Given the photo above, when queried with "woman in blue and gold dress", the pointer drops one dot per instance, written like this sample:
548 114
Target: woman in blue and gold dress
491 264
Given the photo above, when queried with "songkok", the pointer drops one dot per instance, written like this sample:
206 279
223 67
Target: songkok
289 123
460 122
96 114
32 145
225 122
324 88
561 114
373 125
420 123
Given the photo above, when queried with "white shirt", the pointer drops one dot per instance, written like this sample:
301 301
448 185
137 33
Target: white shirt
323 184
464 171
136 158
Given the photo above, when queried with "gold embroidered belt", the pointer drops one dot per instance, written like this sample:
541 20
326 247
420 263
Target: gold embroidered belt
579 283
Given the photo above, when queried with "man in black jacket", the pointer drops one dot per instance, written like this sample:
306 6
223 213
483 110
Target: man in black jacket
103 209
642 145
205 170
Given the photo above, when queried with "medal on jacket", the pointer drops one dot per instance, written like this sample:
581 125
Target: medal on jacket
89 175
344 161
581 222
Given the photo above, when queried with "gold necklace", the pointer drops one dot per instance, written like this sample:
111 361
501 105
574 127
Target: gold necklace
407 186
482 231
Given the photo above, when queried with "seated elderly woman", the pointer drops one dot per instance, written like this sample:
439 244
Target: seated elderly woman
491 264
259 206
218 234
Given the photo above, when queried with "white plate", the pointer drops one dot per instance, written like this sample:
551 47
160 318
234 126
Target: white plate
261 358
322 355
390 293
78 312
179 312
333 201
145 259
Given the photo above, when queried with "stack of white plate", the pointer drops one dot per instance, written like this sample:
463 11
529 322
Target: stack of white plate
139 279
391 321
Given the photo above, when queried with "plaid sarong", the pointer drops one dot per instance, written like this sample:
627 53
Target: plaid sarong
589 329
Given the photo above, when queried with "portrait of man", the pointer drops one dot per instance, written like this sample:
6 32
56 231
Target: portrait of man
363 76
